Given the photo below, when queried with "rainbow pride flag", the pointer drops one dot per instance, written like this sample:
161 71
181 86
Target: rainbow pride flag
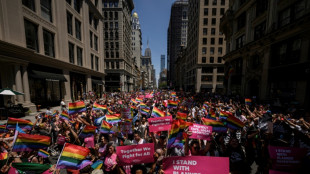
225 114
71 156
217 126
247 101
233 122
76 107
3 156
143 105
169 114
115 118
43 153
157 113
177 135
145 111
212 114
3 129
132 107
173 94
55 113
110 111
88 131
23 124
97 165
172 104
27 142
181 115
64 115
134 101
84 163
139 99
105 127
97 106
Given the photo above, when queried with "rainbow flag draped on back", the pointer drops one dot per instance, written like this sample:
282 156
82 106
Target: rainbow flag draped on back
217 126
76 107
3 129
71 156
88 131
43 153
97 106
181 115
248 101
172 104
145 111
105 127
115 118
27 142
97 165
177 135
64 115
23 124
233 122
157 113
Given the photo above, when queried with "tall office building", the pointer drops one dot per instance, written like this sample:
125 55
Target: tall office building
136 46
162 62
177 35
50 50
117 37
205 46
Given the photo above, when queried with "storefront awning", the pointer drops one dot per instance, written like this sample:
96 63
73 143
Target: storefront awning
207 86
219 86
98 82
47 76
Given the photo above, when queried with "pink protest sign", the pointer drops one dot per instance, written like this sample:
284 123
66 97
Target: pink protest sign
160 124
286 157
148 96
126 113
89 142
196 164
135 154
200 132
141 96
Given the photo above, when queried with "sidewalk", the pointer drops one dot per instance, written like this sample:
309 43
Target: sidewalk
32 115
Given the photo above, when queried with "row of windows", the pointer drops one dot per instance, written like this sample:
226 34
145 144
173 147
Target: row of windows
112 65
112 25
110 4
206 21
209 78
45 5
212 41
213 31
215 2
79 54
93 21
31 32
111 35
111 54
212 49
210 69
214 10
95 40
94 65
77 23
211 60
109 15
111 45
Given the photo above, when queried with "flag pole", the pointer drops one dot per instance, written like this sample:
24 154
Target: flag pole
59 157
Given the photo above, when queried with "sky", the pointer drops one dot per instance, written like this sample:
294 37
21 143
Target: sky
154 18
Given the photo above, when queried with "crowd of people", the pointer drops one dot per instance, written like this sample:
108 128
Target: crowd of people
246 147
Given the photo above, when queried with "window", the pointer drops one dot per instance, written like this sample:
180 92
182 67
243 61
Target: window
206 78
205 21
91 39
240 41
116 35
212 50
79 56
69 23
105 15
206 2
68 1
96 63
241 21
116 25
213 31
31 33
112 65
106 45
259 30
219 60
96 42
212 41
211 59
116 45
78 29
111 25
213 11
203 60
116 4
207 69
71 53
222 2
92 61
284 17
111 35
299 9
220 41
112 45
214 2
220 78
204 50
116 15
48 39
213 21
117 54
184 14
77 5
46 10
205 31
107 65
222 11
112 54
261 7
204 41
106 35
106 25
220 69
30 4
206 11
220 50
96 21
117 65
107 55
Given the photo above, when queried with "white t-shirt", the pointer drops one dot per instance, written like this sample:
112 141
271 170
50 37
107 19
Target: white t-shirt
142 141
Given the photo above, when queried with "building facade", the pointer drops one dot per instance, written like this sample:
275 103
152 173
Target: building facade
117 39
50 50
205 46
177 35
147 68
268 50
136 37
162 62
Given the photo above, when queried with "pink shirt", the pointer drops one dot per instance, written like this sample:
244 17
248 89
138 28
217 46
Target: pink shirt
110 161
